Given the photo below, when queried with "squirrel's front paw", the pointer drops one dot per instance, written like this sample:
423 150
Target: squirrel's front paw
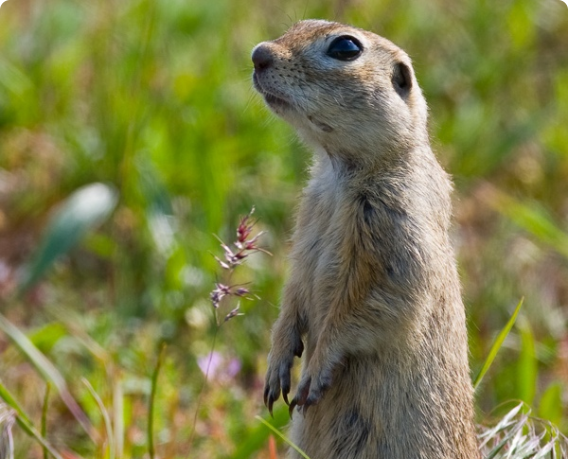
311 389
278 374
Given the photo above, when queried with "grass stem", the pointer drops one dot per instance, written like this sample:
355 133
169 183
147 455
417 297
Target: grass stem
151 402
44 417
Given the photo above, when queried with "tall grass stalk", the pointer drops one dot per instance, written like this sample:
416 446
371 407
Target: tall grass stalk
497 345
44 417
25 423
234 256
152 401
203 384
118 416
48 372
111 450
283 437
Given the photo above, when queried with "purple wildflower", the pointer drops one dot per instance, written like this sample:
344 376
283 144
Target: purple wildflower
216 367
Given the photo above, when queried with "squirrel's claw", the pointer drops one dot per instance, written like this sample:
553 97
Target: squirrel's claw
270 404
278 377
285 381
269 398
310 392
265 396
301 396
271 390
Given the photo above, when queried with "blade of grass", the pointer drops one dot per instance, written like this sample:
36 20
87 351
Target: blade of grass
11 401
255 438
106 418
85 209
530 216
550 406
151 450
527 365
44 417
497 345
283 437
118 416
47 371
25 423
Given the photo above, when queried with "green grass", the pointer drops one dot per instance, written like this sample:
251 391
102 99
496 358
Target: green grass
151 101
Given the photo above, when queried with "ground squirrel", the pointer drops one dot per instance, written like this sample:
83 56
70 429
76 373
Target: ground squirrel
373 294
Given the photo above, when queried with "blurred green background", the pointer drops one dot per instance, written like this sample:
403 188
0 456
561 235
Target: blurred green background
154 99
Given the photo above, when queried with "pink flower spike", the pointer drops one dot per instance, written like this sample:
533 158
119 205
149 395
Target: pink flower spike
242 291
222 263
219 293
235 312
244 229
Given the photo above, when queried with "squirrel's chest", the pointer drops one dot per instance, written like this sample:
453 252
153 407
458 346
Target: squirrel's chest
324 225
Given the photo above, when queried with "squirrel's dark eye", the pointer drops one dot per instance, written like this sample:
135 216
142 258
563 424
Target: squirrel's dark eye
344 48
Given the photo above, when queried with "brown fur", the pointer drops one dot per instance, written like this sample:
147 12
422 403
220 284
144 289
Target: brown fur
373 292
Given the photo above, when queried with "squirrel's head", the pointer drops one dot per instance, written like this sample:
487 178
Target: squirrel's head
342 88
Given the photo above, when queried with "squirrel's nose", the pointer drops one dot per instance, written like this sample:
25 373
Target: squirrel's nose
261 57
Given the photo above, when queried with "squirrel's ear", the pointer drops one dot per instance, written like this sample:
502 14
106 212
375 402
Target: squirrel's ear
402 79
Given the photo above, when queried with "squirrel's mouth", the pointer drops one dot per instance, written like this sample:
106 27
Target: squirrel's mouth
274 101
271 100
